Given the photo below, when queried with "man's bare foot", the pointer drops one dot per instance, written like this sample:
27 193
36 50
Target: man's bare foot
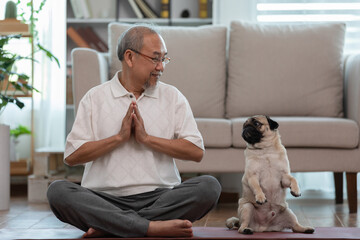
170 228
93 233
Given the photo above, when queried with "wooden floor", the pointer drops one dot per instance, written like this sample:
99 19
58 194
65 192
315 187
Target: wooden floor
25 220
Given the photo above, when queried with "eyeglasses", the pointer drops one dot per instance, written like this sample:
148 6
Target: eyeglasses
156 61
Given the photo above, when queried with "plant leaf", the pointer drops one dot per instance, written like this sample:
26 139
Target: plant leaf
30 88
20 130
49 54
19 103
16 101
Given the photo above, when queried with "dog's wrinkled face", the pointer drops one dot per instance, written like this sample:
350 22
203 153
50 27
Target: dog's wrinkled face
256 127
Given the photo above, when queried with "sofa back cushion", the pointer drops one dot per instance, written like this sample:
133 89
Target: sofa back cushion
285 70
197 67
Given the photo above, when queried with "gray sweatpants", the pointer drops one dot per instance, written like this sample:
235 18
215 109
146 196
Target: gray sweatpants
130 216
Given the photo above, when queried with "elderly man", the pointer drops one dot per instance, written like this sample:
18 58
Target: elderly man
127 132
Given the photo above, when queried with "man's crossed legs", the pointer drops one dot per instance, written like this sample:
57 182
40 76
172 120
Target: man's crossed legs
163 212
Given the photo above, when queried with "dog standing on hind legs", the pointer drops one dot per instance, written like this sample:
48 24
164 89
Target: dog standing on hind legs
263 205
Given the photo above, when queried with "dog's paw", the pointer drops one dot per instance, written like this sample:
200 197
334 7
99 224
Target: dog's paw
261 203
295 194
232 222
246 231
301 229
309 230
295 190
260 198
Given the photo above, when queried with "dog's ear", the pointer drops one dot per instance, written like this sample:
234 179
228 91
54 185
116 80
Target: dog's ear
273 125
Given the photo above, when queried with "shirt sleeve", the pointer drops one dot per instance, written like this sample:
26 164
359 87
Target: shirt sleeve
186 127
81 131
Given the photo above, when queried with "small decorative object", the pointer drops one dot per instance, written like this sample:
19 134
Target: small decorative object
10 10
185 13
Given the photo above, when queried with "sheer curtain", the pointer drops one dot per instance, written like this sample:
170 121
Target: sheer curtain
292 11
49 105
310 11
49 79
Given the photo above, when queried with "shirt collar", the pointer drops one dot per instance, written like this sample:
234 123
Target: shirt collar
118 89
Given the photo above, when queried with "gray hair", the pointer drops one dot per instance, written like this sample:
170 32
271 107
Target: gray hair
133 38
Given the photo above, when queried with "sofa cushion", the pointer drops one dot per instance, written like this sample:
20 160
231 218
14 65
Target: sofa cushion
197 67
321 132
216 132
285 70
114 32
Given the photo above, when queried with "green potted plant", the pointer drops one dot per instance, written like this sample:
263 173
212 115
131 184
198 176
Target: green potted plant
10 80
15 134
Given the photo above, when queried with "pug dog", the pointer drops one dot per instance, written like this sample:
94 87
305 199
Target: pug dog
263 205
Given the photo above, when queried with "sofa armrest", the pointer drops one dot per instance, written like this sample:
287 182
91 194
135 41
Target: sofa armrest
89 69
352 87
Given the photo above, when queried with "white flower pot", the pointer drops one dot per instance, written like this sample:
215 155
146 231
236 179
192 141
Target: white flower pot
4 167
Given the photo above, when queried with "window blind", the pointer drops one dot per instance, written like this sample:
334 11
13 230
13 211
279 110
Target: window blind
312 11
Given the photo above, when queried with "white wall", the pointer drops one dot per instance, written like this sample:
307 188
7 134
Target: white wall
227 10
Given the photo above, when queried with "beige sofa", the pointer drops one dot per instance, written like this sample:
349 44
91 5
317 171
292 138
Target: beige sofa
294 73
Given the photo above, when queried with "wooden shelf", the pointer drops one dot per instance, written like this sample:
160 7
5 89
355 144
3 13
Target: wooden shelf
13 26
11 90
20 168
23 95
139 20
20 94
90 20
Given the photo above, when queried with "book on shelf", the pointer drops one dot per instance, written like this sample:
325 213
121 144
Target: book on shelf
77 38
165 8
93 8
102 9
75 6
88 38
93 37
136 9
84 34
85 8
203 8
146 9
80 8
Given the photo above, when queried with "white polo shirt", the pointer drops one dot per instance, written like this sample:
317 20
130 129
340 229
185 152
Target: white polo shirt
131 168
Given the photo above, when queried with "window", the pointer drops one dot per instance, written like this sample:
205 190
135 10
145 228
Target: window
312 11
